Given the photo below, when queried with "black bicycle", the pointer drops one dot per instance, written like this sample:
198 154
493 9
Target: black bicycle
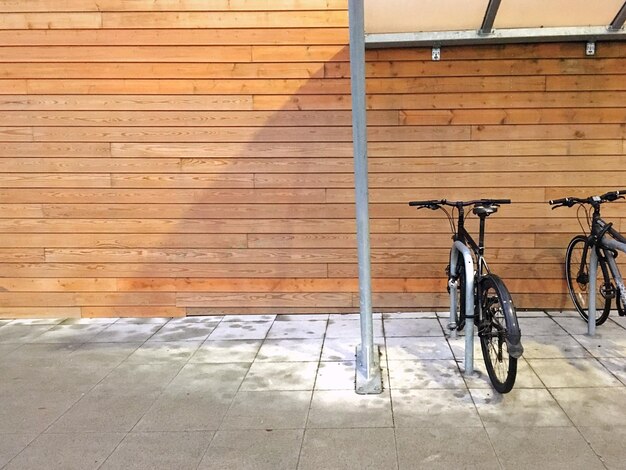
606 241
493 310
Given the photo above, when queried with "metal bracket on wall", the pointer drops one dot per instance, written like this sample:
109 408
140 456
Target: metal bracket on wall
590 48
436 53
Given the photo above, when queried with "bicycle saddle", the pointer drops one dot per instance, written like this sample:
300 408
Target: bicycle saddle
484 210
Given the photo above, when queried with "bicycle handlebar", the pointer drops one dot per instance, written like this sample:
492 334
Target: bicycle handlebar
570 201
436 203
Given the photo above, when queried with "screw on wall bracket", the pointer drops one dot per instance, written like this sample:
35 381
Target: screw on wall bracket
436 53
590 49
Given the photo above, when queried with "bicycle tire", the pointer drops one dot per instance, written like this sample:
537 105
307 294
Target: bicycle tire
578 283
499 333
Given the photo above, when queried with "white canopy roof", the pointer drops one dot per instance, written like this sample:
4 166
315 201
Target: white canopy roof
436 22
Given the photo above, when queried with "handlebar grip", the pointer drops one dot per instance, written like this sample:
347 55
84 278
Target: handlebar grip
424 203
558 201
500 201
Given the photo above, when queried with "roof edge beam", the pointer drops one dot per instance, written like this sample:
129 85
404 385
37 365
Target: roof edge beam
499 36
620 18
490 16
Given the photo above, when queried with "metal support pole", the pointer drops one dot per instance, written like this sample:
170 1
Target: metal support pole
368 373
490 17
461 254
618 21
593 282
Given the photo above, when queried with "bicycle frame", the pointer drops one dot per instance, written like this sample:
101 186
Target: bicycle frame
467 249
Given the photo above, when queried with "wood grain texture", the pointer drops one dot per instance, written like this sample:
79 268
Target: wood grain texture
186 157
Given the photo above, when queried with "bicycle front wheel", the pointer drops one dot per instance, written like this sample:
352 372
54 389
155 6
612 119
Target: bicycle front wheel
500 337
578 281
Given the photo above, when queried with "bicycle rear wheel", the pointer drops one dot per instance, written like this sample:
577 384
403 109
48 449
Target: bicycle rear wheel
500 337
578 281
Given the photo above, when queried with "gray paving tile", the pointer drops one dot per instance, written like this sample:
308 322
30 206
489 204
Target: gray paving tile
608 443
617 366
143 320
118 402
574 325
297 329
573 373
340 327
525 378
412 327
177 331
424 408
196 320
405 315
342 349
7 348
12 444
280 376
32 413
67 451
423 347
562 313
157 352
37 321
303 317
197 399
22 333
37 355
615 318
530 313
240 330
345 409
253 450
445 448
220 351
593 406
159 450
519 407
552 347
604 344
268 410
425 374
105 355
175 410
89 321
346 449
540 327
249 318
69 333
336 376
290 350
126 333
215 378
559 448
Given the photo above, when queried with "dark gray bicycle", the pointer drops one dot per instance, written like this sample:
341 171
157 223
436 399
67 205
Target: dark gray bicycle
480 295
606 241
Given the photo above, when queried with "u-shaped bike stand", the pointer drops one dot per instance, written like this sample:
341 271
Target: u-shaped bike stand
593 281
466 257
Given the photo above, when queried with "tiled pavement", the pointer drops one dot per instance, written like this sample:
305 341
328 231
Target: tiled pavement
278 393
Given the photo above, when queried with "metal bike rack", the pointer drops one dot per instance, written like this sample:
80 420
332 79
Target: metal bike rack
460 248
593 281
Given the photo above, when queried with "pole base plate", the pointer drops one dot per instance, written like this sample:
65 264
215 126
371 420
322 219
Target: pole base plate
368 382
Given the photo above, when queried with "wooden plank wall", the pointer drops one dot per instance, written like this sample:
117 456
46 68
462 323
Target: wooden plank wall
179 157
